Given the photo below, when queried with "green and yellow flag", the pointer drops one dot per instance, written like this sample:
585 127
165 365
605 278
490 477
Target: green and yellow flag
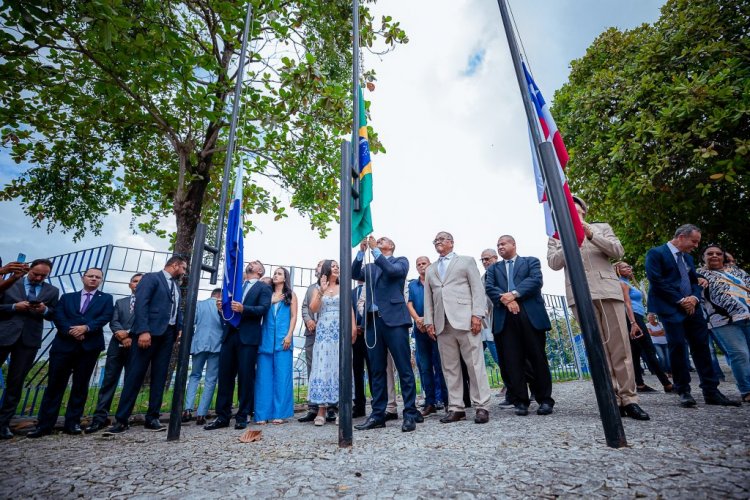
362 219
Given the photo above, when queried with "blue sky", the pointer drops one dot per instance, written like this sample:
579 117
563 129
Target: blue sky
448 109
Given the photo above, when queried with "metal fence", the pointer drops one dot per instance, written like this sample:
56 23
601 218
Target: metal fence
564 347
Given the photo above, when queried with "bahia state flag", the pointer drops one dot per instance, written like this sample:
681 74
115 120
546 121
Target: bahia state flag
233 257
551 134
362 219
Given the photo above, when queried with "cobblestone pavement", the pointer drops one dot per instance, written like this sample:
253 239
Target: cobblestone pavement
700 453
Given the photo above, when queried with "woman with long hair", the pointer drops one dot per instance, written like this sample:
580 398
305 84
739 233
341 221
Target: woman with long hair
323 386
727 307
640 340
274 399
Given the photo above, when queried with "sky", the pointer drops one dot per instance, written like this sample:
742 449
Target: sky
448 109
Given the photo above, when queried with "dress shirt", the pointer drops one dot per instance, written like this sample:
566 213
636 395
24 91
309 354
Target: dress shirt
247 288
83 298
175 296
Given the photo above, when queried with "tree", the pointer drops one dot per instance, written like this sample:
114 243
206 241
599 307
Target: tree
657 123
119 104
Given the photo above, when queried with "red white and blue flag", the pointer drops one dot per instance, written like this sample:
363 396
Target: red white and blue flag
551 134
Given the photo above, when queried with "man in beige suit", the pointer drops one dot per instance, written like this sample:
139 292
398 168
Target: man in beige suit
599 246
454 305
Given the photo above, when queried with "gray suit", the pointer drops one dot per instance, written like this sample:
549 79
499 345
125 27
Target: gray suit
117 359
449 304
21 338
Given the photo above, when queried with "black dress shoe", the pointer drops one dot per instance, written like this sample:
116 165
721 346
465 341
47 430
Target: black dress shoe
73 430
409 425
309 417
187 416
368 424
481 416
686 400
240 425
453 416
506 404
428 410
522 410
39 432
391 416
154 425
645 388
331 415
440 406
200 420
118 428
217 424
634 411
5 432
720 400
358 412
95 426
544 409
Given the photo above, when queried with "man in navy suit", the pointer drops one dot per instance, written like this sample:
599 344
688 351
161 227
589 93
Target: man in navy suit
387 329
520 324
23 308
156 326
674 295
239 350
80 318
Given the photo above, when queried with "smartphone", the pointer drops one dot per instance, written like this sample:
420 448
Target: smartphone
21 258
35 302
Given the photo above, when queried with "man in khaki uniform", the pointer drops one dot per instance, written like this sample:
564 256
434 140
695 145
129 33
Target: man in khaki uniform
599 246
454 305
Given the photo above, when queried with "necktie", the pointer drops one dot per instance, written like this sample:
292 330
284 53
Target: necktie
245 287
32 292
132 304
511 284
685 287
86 303
173 312
441 267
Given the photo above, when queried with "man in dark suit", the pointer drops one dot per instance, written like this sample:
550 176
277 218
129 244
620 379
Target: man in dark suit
387 329
118 354
80 318
674 295
156 326
239 350
520 324
23 308
359 358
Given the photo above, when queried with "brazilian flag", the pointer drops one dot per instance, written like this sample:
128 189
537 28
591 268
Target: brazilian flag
362 219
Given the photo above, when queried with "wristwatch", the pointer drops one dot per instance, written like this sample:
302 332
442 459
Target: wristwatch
515 293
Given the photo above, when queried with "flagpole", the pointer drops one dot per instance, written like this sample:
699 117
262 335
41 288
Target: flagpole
605 396
345 272
230 145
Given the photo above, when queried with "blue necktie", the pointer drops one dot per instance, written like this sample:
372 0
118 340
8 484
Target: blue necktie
511 285
685 287
31 296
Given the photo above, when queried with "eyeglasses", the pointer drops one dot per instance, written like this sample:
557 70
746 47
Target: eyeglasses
485 259
440 240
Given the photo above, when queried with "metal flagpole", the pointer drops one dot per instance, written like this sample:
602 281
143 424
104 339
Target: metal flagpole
345 273
605 397
230 145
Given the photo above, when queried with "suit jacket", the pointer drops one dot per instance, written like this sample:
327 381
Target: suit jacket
664 284
256 303
307 314
122 319
356 293
153 305
458 297
68 314
527 276
596 254
387 278
27 326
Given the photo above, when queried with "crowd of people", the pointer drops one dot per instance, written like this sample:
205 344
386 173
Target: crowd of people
453 312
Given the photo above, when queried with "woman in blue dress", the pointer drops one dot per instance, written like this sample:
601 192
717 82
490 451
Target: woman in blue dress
323 387
274 396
